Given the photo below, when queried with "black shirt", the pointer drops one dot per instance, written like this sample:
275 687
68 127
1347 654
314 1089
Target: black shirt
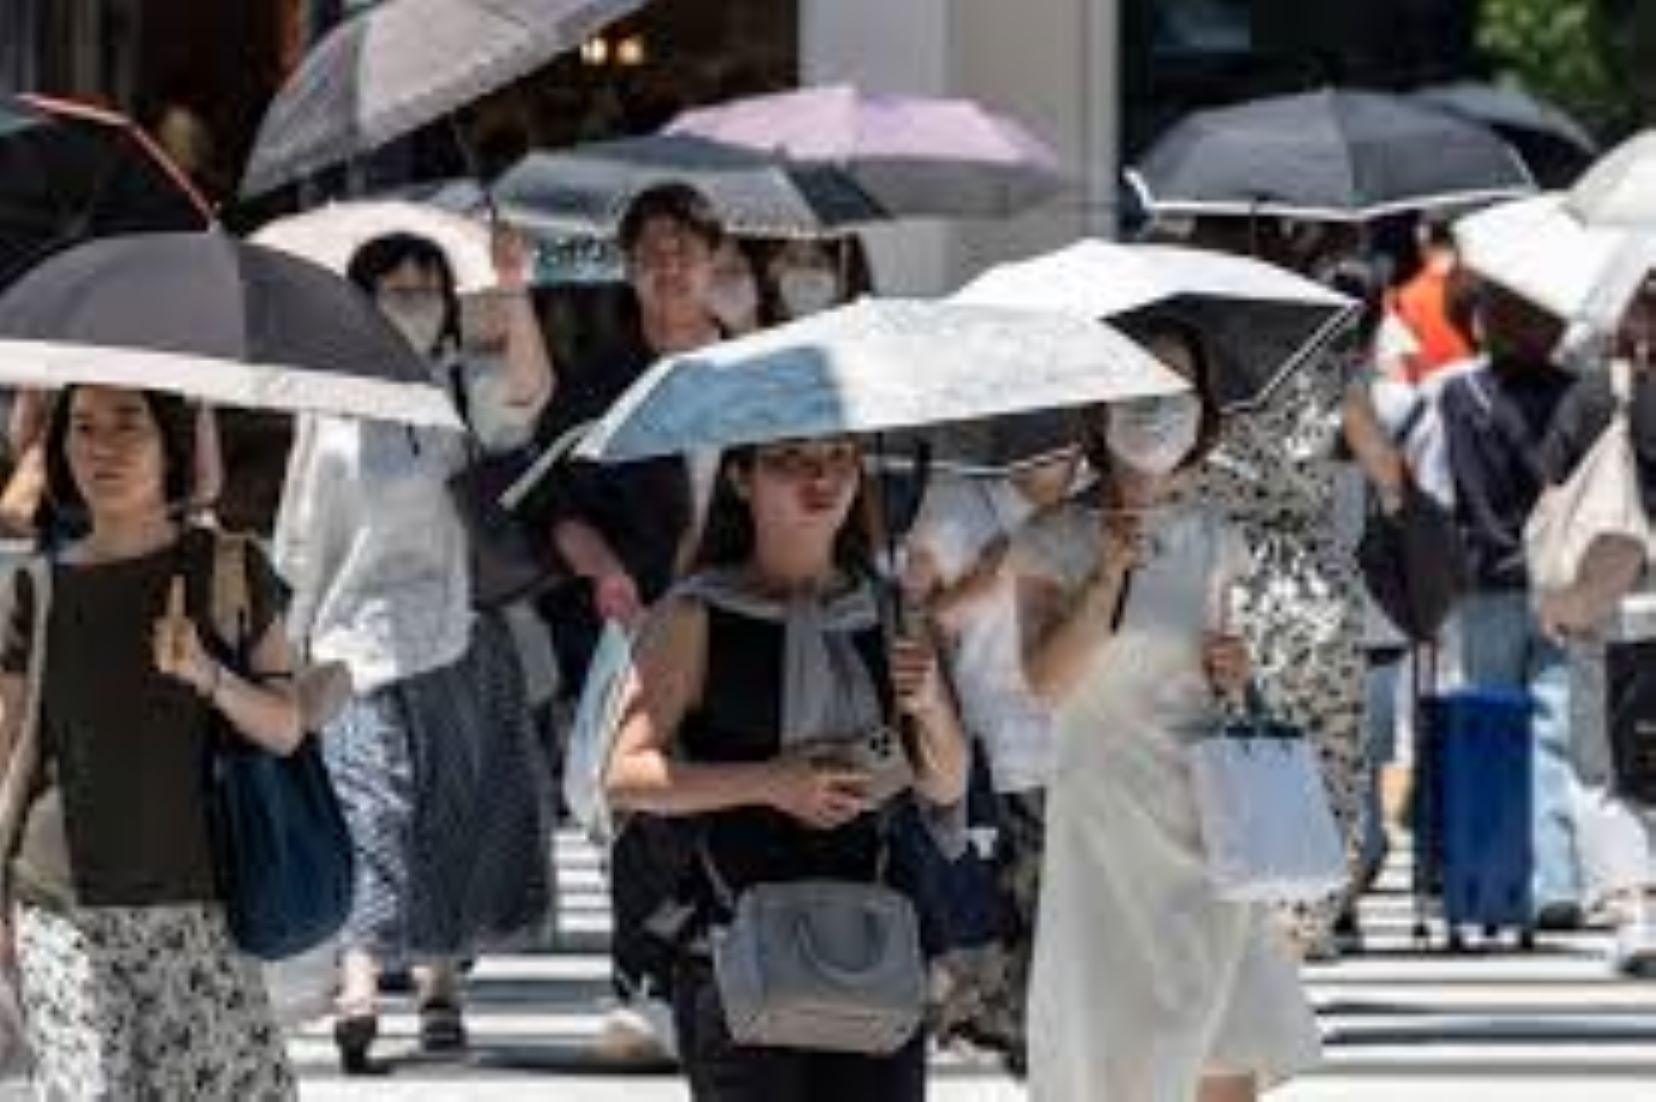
642 509
1496 419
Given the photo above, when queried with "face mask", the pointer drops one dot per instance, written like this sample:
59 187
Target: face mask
1153 436
734 302
807 291
421 326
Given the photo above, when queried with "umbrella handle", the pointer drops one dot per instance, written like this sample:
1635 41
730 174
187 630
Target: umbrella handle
474 168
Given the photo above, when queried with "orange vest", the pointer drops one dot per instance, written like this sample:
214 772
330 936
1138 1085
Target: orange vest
1422 304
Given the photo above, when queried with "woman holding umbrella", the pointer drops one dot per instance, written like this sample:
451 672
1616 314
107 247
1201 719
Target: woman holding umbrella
131 984
1126 638
714 724
434 758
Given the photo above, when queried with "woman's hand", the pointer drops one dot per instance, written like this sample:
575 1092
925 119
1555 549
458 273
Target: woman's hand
616 597
820 795
1228 663
512 256
177 646
1125 541
916 677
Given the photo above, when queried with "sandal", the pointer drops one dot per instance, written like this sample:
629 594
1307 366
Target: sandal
442 1027
354 1034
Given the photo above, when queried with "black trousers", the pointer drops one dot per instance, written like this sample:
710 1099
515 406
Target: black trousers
722 1071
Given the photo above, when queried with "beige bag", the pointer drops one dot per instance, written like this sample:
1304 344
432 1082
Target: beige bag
1600 501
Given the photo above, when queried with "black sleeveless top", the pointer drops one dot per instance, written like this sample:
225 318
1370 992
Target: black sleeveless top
740 721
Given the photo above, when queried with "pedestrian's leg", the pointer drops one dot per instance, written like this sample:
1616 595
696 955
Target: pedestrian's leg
1228 1088
77 1012
718 1069
1558 887
442 1022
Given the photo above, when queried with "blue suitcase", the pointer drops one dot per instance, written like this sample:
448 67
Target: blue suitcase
1475 841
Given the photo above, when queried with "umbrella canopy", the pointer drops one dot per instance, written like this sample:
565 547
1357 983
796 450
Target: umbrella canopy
752 192
1621 188
69 173
332 234
1539 249
211 317
875 366
406 63
1554 145
1332 155
915 156
1258 321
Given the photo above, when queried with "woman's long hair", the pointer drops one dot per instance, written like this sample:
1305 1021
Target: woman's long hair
728 537
174 422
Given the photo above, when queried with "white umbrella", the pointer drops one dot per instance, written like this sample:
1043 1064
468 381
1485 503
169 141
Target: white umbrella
330 235
1620 188
1258 321
1540 249
875 366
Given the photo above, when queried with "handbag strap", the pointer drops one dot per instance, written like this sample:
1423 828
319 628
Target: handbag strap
726 896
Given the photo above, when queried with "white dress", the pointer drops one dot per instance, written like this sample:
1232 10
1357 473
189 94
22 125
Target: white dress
1144 981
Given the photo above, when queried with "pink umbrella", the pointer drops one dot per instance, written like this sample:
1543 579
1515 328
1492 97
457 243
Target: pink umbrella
917 157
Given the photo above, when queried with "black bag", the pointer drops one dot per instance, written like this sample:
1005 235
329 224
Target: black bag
1630 680
507 563
281 849
1414 563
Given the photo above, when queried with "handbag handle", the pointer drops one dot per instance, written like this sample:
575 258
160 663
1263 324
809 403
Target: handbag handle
845 975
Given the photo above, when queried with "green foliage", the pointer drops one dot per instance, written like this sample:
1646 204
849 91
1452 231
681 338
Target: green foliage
1558 49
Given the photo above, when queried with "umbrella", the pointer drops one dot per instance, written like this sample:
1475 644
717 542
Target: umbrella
211 317
1258 321
1539 249
874 366
752 192
69 173
915 156
332 234
406 63
1338 156
1553 145
1620 189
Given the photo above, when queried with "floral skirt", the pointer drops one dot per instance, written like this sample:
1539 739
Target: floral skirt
146 1003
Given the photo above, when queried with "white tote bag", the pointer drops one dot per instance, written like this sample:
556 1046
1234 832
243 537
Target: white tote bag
592 738
1600 500
1267 829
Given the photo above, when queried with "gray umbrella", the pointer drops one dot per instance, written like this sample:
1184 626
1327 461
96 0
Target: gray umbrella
211 317
1332 155
752 192
404 64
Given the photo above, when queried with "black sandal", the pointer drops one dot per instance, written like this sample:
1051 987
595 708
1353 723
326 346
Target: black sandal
442 1026
354 1035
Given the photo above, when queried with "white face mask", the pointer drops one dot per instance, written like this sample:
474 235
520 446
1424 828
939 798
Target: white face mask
421 326
1154 435
735 302
807 291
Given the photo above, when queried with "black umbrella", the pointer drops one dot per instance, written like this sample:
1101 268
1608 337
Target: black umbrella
406 63
211 317
752 192
69 173
1555 146
1326 156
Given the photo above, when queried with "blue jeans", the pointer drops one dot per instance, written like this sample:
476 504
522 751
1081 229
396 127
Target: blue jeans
1503 646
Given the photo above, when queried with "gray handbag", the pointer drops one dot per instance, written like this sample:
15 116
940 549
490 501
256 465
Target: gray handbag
820 965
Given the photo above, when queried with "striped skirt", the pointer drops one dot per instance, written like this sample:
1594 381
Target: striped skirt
445 790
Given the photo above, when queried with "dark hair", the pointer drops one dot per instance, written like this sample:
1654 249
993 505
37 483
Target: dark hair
378 258
174 421
1362 281
1435 230
728 536
677 202
1146 327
